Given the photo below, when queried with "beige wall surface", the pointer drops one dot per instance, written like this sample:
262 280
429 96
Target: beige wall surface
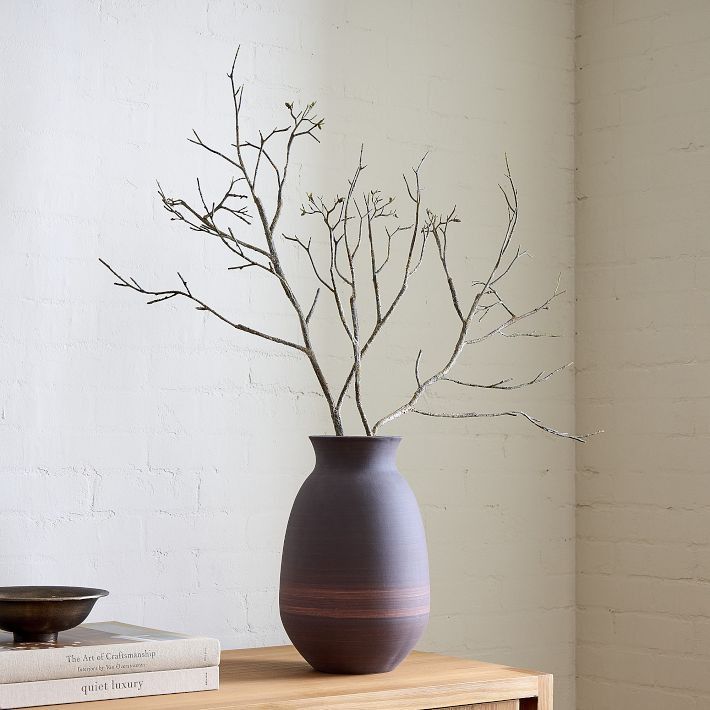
643 353
153 451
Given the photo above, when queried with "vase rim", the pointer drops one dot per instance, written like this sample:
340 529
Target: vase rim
364 437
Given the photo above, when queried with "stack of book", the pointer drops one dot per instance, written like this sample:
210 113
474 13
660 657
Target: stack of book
102 661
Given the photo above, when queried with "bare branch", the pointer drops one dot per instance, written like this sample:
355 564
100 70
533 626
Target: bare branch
512 413
307 249
503 384
532 334
350 221
463 340
240 267
373 261
158 300
269 225
516 319
261 151
354 316
438 227
204 222
201 305
410 267
390 236
417 376
518 255
313 306
198 141
184 283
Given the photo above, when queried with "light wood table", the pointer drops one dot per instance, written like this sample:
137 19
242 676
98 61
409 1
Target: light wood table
278 678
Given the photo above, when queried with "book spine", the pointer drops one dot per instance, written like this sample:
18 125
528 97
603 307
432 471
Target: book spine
106 687
84 662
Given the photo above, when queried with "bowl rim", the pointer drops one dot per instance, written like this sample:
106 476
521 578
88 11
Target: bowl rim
34 593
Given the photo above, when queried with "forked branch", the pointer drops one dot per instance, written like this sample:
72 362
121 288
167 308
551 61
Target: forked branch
438 228
184 292
365 246
512 413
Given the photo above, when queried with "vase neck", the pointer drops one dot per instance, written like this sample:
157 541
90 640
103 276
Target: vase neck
353 453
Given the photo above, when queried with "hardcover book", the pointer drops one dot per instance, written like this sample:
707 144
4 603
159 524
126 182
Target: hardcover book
105 687
105 648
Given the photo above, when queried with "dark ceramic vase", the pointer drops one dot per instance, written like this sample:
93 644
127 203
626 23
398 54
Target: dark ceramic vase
354 594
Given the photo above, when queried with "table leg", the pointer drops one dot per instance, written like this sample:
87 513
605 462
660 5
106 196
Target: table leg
544 695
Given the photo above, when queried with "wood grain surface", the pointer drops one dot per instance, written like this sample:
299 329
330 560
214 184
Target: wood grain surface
277 678
503 705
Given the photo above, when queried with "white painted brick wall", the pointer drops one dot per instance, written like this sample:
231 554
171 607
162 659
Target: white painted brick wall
643 353
151 451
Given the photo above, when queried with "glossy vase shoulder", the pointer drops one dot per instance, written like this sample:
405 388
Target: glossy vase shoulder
354 594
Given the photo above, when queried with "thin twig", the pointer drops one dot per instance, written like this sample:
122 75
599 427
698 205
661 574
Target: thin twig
167 294
512 413
313 306
503 384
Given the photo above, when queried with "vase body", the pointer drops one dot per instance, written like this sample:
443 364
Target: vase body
354 593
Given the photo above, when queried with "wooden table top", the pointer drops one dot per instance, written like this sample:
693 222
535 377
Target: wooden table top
277 678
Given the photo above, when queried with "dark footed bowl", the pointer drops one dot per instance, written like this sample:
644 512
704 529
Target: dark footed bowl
38 614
